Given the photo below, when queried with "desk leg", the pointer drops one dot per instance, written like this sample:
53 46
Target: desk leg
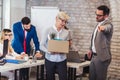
20 75
0 75
37 75
71 73
40 72
15 75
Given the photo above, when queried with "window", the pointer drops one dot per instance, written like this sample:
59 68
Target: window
1 14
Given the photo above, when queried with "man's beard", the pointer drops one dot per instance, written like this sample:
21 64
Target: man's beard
27 30
100 20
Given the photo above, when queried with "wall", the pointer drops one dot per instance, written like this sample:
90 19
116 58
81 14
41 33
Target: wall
82 17
17 8
114 70
82 23
13 10
6 13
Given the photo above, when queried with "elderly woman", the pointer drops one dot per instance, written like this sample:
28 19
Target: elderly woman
7 34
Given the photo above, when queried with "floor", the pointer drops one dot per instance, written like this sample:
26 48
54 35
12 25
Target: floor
83 78
33 75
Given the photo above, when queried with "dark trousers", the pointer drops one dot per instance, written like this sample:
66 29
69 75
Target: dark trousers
24 74
56 67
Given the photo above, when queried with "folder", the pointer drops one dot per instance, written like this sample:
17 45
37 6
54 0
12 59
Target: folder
14 61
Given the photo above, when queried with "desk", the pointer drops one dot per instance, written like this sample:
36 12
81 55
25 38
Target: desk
11 66
71 71
78 65
72 68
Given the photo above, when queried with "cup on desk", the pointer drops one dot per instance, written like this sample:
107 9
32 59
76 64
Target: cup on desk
34 59
26 58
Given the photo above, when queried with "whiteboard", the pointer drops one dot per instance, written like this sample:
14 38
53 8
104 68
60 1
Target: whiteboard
43 18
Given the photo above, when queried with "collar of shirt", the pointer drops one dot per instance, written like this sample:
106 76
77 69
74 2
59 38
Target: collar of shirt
58 32
100 23
22 26
23 30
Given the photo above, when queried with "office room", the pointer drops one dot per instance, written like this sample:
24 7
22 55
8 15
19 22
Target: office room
86 36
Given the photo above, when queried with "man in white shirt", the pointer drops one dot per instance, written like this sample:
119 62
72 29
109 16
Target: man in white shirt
100 45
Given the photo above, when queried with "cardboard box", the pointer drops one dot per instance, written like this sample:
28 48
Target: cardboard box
58 46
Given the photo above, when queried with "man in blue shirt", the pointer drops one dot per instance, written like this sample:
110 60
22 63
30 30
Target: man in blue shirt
23 33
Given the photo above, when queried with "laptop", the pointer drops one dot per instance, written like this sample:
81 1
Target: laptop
5 51
5 47
73 56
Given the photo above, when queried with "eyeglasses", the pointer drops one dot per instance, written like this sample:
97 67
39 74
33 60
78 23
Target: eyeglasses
8 34
65 21
98 15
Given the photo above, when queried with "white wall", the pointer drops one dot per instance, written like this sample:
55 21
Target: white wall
17 10
13 10
6 13
43 18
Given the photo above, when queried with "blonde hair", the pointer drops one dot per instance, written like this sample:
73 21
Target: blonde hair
2 37
63 15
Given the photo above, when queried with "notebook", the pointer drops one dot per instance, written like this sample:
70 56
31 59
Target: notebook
73 56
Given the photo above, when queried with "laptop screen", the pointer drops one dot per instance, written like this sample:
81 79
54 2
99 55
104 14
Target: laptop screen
73 56
5 48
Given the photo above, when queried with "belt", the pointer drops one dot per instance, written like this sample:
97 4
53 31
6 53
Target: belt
95 54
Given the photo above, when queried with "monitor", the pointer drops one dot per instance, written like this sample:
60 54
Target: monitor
5 48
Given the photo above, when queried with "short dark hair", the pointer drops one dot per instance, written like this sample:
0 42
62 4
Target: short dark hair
105 9
6 30
25 20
